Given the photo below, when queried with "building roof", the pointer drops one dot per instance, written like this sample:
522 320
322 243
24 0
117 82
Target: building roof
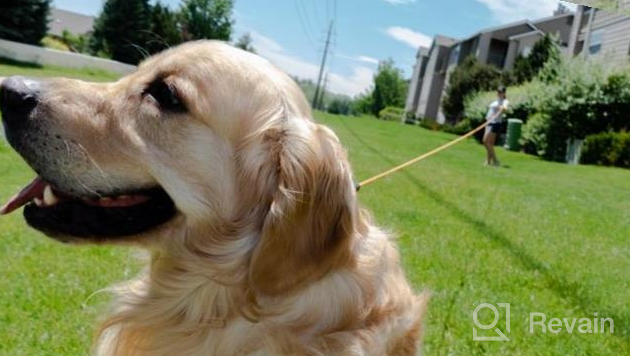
73 22
527 34
442 40
423 51
530 23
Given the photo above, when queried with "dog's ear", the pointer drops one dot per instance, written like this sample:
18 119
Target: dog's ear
306 231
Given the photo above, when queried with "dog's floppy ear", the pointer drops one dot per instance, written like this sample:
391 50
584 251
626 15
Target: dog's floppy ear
307 230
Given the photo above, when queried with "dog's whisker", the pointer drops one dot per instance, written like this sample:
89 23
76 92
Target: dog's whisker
105 176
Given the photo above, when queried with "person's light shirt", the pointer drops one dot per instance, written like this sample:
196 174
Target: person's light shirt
494 108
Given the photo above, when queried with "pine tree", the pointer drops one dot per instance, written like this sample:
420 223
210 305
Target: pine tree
122 30
24 20
165 30
526 68
211 19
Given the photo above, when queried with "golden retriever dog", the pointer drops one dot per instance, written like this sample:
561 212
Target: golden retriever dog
208 157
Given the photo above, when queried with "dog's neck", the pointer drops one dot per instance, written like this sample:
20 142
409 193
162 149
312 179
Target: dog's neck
184 295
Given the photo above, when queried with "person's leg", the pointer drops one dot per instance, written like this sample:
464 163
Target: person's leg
492 157
486 138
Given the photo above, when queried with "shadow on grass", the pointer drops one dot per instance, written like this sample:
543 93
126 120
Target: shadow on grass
13 62
573 292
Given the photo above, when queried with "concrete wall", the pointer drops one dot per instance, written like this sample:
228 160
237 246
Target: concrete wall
433 84
413 95
45 56
483 48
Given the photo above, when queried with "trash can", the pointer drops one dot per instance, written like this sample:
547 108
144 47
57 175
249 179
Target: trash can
513 134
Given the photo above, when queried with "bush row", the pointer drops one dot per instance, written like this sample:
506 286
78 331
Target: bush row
391 113
570 99
607 148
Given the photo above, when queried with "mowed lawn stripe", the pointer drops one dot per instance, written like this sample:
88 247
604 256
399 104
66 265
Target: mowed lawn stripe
543 236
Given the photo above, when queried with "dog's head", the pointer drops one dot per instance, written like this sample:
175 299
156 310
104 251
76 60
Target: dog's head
200 136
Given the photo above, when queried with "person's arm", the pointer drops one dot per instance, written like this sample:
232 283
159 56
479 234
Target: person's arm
502 109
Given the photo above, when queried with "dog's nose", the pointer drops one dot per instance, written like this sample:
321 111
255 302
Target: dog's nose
18 97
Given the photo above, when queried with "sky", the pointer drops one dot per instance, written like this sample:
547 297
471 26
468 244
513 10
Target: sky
292 33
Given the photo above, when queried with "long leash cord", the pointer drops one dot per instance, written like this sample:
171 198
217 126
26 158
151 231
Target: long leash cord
421 157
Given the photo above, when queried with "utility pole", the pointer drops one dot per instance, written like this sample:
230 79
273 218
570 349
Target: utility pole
321 67
322 94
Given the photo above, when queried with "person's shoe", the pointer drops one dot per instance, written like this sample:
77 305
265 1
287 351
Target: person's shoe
496 164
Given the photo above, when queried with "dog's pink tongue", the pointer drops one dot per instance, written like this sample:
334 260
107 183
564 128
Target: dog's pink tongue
34 190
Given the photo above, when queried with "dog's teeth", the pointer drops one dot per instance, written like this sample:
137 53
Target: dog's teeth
38 202
49 196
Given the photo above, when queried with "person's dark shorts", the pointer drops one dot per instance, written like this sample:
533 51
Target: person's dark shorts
495 127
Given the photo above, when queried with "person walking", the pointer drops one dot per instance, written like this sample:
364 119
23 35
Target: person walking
494 117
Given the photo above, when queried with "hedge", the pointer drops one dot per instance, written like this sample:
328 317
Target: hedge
391 113
607 149
571 99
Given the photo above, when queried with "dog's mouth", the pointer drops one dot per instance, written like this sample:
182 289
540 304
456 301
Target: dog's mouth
56 213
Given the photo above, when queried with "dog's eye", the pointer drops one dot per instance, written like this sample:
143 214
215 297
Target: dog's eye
165 96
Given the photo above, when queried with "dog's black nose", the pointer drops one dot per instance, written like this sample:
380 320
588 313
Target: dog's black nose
18 97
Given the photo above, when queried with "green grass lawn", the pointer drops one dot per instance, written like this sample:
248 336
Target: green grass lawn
9 67
542 236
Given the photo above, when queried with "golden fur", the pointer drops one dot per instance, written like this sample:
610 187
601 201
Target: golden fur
270 253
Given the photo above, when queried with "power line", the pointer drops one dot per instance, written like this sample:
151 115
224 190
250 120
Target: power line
302 23
318 19
317 27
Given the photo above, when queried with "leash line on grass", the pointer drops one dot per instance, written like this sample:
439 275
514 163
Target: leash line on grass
421 157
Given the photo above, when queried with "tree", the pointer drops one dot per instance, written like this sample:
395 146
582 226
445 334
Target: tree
362 104
24 20
245 43
389 87
121 30
468 78
164 31
526 68
339 106
211 19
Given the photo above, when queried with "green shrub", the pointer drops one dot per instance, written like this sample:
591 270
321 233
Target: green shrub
76 43
534 135
54 43
391 113
573 98
524 101
431 125
607 149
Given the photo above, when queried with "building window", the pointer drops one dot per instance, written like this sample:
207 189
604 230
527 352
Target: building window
595 43
454 58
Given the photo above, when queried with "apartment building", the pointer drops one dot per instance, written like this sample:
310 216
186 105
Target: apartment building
498 46
597 33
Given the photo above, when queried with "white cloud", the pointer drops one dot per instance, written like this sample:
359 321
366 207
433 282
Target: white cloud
513 10
399 2
367 59
353 84
410 37
364 59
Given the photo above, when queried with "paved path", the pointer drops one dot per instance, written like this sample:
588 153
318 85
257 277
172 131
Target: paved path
1 130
